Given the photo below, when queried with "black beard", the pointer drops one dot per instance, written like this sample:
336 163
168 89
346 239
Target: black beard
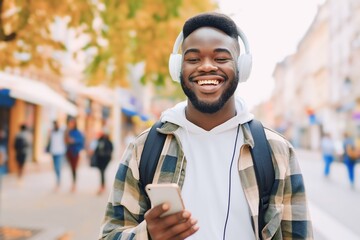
205 107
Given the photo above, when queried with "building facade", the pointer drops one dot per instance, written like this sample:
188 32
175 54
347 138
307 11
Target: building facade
317 88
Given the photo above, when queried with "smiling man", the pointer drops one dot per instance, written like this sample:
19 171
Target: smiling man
207 153
209 75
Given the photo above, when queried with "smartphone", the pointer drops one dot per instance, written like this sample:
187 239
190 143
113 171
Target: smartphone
165 192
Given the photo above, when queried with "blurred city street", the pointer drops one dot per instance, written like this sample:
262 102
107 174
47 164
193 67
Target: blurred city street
84 79
332 201
56 215
77 216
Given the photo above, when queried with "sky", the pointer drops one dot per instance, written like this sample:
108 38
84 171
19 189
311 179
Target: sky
274 29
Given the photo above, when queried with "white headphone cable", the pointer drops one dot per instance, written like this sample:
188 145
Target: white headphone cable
229 195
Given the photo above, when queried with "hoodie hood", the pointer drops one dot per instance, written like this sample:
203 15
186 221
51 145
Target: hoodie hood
177 116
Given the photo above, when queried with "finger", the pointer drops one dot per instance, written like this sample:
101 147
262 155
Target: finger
162 226
188 232
181 230
174 219
156 211
156 224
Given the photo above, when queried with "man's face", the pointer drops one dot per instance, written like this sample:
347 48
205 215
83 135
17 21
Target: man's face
209 75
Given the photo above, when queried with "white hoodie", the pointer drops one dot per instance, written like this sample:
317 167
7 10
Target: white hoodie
209 156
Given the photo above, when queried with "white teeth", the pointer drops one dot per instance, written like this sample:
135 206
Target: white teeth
205 82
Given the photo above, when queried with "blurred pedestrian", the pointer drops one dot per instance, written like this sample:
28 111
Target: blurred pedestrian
21 146
102 153
328 152
3 152
351 154
57 148
74 140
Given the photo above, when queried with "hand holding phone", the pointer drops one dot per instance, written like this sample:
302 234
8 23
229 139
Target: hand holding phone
166 192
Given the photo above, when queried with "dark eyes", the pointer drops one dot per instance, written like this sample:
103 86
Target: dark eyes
222 60
192 60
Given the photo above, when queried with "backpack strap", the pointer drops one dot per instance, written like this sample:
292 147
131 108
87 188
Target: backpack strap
150 155
264 169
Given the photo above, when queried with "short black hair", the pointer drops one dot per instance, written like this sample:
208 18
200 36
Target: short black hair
211 19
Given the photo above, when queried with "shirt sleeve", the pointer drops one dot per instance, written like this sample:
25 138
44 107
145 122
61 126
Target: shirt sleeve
296 223
124 216
287 216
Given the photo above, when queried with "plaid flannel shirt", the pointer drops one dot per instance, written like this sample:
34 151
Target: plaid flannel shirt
287 216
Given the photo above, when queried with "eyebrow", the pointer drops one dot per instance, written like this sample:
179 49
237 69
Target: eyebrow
191 50
222 50
217 50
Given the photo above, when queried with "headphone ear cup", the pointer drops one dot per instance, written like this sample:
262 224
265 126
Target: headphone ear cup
244 66
175 66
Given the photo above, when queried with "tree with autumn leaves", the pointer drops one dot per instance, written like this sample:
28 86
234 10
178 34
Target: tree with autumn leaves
119 33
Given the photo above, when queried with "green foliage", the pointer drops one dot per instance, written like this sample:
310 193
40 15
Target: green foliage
25 26
127 31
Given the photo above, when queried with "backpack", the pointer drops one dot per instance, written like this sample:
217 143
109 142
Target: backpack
264 169
104 148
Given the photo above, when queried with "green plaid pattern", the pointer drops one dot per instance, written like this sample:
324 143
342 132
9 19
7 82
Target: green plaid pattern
287 216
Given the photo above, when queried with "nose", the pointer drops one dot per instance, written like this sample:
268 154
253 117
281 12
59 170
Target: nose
207 66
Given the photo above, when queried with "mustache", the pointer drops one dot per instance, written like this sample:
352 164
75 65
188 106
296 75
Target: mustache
192 77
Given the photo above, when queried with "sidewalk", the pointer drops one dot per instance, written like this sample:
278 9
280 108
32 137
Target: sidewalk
331 199
33 211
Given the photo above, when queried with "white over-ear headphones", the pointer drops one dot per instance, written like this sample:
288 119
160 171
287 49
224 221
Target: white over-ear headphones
244 60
